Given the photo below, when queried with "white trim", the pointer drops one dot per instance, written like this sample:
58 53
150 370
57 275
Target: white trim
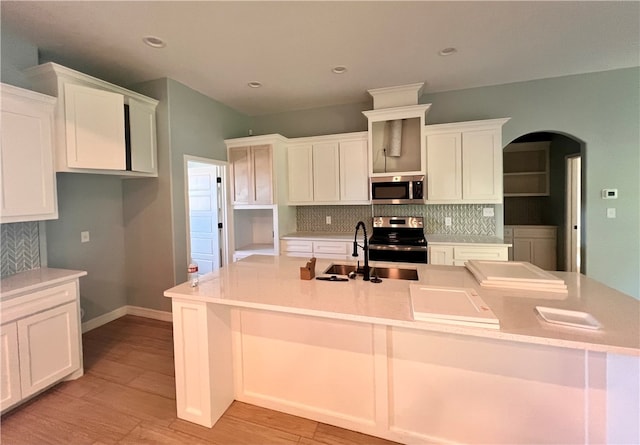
149 313
104 319
121 312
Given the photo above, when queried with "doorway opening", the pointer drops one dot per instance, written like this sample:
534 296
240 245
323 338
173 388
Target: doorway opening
573 207
541 193
207 214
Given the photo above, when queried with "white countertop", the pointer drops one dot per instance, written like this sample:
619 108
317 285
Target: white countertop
273 283
35 279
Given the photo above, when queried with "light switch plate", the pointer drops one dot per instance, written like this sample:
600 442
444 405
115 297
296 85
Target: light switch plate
611 212
84 237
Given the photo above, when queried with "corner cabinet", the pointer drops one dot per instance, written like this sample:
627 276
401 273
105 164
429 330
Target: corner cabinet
101 128
464 162
40 341
328 170
26 156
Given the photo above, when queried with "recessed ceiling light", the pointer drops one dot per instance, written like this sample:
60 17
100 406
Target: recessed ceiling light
447 51
254 84
339 69
154 42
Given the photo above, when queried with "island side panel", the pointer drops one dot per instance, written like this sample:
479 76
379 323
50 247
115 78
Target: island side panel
203 361
319 368
473 390
623 399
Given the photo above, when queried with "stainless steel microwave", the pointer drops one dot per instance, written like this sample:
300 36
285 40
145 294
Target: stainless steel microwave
397 190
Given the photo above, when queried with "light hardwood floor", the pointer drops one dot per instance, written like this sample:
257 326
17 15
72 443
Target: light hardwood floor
127 396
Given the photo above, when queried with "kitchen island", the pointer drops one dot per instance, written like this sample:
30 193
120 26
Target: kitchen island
351 354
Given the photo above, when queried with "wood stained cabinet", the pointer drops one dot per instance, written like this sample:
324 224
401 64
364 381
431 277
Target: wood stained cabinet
26 156
464 162
536 245
251 172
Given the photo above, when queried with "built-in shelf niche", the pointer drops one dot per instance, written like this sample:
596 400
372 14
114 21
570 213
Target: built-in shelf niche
254 231
526 169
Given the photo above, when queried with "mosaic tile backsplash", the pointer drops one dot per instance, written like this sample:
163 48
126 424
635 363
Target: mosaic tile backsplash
466 219
20 247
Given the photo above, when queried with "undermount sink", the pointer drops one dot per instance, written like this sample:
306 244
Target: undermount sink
396 273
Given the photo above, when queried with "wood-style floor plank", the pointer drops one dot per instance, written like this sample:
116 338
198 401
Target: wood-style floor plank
127 396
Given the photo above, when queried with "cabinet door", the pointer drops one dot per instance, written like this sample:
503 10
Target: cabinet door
326 172
481 166
300 171
9 366
444 167
239 159
26 161
49 344
522 250
441 255
543 253
142 126
94 128
354 176
261 164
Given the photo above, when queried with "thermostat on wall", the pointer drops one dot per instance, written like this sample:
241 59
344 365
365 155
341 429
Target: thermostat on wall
609 193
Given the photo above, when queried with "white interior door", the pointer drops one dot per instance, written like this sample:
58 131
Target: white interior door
573 214
204 216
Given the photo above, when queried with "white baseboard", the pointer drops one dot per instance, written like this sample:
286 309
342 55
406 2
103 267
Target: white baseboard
121 312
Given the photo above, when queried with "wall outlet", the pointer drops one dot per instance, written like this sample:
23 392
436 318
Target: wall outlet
327 219
487 211
84 237
447 220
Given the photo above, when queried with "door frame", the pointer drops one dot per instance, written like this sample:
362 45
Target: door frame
570 194
225 218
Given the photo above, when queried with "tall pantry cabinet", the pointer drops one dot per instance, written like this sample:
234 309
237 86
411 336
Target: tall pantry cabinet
258 179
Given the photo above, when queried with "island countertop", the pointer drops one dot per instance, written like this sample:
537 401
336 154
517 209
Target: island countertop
273 283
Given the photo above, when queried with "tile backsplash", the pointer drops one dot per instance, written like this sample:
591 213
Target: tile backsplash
20 247
466 219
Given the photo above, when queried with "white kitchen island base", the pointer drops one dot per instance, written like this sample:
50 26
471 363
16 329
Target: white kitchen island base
405 381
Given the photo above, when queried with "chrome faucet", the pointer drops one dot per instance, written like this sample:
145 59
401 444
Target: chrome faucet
365 249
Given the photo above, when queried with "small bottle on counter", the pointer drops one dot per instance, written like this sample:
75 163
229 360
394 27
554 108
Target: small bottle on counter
192 272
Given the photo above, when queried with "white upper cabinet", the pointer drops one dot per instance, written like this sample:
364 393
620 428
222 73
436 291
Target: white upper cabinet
101 128
26 156
328 169
464 162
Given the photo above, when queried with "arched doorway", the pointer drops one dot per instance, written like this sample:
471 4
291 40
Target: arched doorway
543 192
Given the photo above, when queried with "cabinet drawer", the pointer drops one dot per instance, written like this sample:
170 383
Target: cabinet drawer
534 232
479 253
296 246
35 302
331 247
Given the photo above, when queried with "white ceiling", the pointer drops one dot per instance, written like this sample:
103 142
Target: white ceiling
290 47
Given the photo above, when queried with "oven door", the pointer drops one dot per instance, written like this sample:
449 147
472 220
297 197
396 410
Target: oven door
400 254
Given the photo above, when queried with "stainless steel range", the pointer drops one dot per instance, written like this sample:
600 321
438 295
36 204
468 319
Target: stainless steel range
398 238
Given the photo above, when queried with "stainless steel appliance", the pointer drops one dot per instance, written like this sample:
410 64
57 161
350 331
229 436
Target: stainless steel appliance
398 238
397 190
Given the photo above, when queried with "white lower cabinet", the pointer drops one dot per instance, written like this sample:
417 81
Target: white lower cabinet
41 342
457 255
340 250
